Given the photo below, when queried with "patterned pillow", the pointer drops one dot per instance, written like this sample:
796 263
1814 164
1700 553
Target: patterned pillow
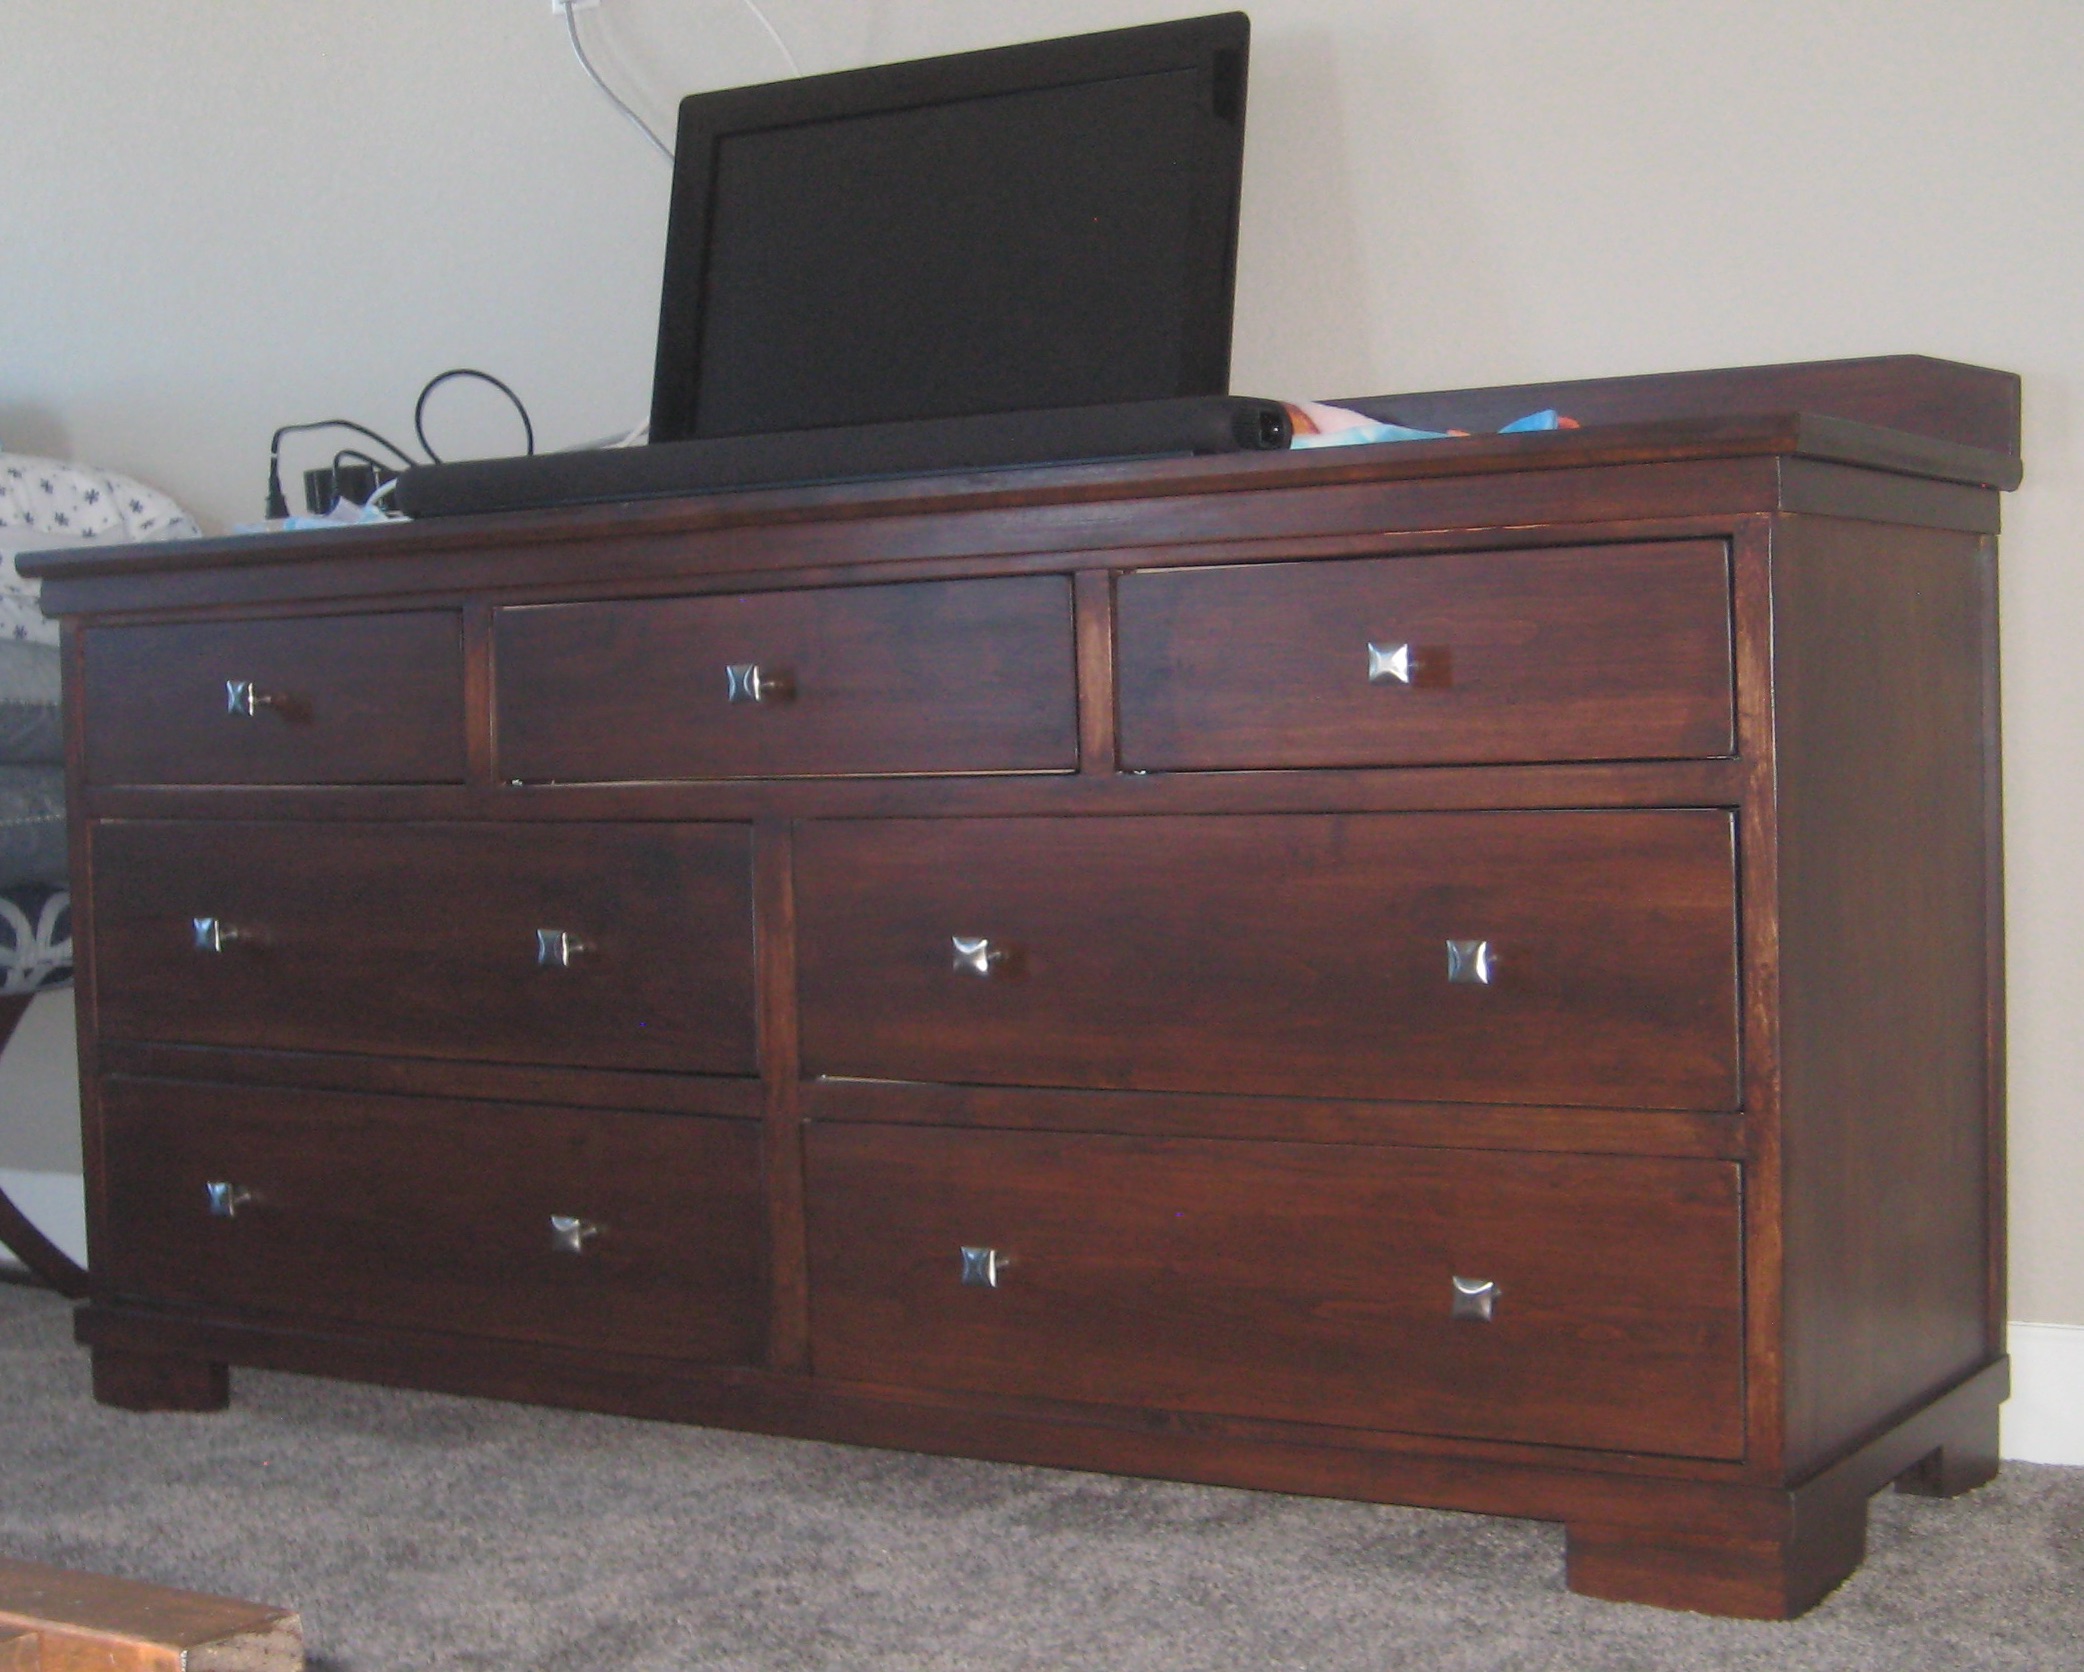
35 937
45 503
21 607
53 497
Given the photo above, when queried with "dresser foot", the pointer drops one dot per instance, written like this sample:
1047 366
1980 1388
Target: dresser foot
134 1381
1742 1578
1967 1459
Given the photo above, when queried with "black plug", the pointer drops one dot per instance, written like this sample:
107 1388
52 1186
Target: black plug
278 502
354 479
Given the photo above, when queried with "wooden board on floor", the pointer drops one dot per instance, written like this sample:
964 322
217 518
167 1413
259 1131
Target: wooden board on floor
80 1621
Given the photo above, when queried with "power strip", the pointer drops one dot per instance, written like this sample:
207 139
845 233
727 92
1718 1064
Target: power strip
327 486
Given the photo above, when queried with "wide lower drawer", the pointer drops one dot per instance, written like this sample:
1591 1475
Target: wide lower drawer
588 1228
924 677
1575 654
615 946
1564 958
352 699
1559 1300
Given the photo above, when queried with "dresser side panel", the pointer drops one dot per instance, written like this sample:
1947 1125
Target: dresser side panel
1881 751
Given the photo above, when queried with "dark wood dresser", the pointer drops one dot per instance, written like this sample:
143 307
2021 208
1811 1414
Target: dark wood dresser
1465 974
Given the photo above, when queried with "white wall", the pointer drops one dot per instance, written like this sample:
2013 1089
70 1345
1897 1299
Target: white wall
218 218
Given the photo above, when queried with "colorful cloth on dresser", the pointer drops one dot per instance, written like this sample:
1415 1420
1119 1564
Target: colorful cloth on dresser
1320 425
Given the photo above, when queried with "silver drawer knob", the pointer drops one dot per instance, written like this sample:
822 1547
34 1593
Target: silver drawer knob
1474 1299
749 682
213 934
244 698
981 1267
1389 664
557 948
570 1234
975 955
226 1199
1472 962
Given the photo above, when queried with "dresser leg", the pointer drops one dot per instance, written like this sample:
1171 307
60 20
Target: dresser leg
1967 1459
1752 1580
134 1381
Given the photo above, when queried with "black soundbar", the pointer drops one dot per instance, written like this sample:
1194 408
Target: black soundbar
1060 435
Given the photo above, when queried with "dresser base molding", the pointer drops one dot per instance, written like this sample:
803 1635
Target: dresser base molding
133 1379
1946 1448
1719 1545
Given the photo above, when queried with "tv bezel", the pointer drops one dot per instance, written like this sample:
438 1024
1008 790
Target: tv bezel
1216 47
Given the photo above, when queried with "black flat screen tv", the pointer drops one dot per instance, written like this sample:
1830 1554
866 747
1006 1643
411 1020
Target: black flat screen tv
1025 228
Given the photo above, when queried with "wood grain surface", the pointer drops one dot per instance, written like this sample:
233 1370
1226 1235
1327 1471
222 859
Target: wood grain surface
89 1622
1303 956
948 676
436 1215
1306 1282
420 940
1967 407
1317 1120
1883 926
1569 654
358 699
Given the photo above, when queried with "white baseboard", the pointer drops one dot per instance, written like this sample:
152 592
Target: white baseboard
2044 1418
56 1204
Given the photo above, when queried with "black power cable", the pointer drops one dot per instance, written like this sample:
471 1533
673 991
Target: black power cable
419 410
278 503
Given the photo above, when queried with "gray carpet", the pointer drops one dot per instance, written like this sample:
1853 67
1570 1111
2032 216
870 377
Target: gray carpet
420 1532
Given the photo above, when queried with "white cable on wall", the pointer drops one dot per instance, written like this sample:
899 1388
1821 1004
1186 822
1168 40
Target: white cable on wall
571 24
774 35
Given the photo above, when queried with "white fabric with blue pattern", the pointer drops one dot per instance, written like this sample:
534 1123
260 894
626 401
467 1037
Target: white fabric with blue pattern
47 503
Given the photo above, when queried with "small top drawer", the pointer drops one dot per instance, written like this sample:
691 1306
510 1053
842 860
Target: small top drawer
349 699
922 677
1578 654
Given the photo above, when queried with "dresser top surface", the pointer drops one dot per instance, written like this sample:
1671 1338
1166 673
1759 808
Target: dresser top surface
1145 496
